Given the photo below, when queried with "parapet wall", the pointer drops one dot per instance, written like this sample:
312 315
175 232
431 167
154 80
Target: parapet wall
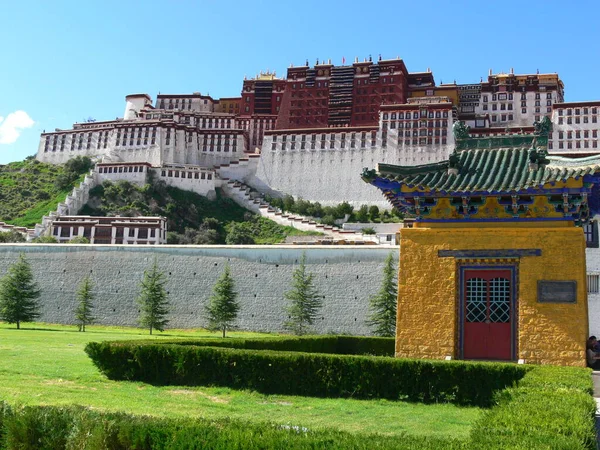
345 276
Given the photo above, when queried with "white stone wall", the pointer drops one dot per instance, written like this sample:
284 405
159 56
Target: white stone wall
592 256
575 129
190 178
60 146
501 105
332 175
119 173
345 276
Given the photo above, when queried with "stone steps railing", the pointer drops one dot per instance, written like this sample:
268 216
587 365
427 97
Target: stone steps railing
239 169
71 206
246 197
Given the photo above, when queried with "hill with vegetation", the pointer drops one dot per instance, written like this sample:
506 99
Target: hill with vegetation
30 189
192 218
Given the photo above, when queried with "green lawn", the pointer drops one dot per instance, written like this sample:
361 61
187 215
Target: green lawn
46 364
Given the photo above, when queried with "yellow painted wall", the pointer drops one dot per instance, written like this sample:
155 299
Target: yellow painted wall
548 333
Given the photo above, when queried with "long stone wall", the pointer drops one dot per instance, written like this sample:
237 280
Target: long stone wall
345 276
330 176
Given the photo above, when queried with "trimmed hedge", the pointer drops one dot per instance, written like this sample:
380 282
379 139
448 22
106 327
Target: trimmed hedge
552 407
340 345
307 374
73 427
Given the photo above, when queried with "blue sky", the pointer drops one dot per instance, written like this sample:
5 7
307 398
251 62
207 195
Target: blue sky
65 61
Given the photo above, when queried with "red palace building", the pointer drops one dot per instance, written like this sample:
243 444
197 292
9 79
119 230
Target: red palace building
340 96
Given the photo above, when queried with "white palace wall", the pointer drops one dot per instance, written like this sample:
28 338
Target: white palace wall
331 176
345 276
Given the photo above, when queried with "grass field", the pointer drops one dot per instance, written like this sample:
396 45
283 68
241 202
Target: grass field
45 364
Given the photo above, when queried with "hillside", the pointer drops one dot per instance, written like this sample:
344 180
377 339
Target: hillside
30 189
192 218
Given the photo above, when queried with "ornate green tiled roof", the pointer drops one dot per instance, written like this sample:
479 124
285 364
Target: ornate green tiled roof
488 170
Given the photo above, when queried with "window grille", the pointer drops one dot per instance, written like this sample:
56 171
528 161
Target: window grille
593 282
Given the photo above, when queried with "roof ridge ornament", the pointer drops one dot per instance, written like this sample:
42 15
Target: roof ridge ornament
460 130
537 157
542 127
453 163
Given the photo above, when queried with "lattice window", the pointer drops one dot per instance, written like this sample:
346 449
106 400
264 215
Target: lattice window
593 284
499 290
476 300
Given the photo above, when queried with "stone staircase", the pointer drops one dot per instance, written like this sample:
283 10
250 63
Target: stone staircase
246 197
239 169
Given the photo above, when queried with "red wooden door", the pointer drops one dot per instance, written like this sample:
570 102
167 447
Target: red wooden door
487 314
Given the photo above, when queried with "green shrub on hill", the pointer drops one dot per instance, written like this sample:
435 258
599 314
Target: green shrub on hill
30 189
192 218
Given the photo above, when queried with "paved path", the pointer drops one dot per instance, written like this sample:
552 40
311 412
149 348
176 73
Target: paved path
596 380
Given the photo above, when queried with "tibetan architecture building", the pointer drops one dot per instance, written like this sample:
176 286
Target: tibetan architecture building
494 266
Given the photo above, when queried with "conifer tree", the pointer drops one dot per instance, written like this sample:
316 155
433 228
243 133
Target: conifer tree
83 312
223 307
154 305
304 299
19 294
383 304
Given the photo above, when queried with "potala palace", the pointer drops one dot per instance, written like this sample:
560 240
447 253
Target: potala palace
311 134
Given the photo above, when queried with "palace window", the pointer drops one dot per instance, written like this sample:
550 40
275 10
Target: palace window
590 230
593 283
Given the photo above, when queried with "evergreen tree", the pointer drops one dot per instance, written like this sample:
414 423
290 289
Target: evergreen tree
383 304
19 294
153 300
304 299
223 308
83 313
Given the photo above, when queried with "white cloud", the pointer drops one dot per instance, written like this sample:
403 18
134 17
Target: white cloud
11 126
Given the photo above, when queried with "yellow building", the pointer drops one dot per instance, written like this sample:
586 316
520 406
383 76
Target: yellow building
494 267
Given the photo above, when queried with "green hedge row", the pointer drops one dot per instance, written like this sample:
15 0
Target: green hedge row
340 345
54 427
307 374
550 408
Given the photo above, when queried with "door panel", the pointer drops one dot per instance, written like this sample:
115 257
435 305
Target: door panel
487 314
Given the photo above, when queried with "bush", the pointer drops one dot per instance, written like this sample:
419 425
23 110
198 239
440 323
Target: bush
551 407
53 427
308 374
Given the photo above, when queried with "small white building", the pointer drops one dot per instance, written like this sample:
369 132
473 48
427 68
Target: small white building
111 230
385 233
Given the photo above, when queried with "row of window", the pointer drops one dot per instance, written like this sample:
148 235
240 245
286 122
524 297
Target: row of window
578 134
183 174
423 113
58 142
576 119
175 104
121 169
577 111
416 124
509 96
205 122
571 145
424 132
69 232
423 141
